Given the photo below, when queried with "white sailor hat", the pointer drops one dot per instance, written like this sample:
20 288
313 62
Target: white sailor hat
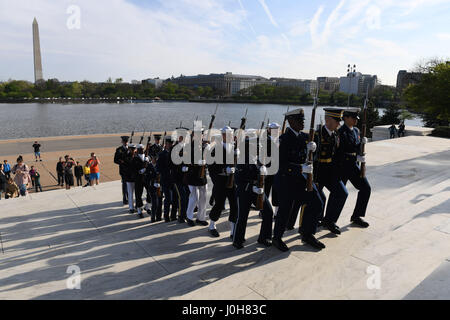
132 146
140 146
226 129
352 112
297 113
274 125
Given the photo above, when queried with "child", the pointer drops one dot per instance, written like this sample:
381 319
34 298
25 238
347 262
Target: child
32 174
12 190
87 173
37 180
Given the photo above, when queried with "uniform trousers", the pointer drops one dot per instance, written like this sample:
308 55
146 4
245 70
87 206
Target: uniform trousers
130 191
352 172
197 198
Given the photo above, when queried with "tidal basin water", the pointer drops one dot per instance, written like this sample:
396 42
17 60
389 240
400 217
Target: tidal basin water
55 119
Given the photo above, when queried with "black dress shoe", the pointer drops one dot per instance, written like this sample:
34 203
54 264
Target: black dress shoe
132 211
196 209
166 219
214 233
181 220
360 222
280 245
202 223
265 242
173 218
238 245
312 241
158 219
333 228
153 220
289 228
190 223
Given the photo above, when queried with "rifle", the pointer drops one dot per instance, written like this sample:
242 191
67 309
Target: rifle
264 121
363 133
230 181
261 179
208 138
132 135
158 176
283 128
309 181
142 137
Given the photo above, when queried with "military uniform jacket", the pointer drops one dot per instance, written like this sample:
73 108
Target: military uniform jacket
130 171
119 158
218 171
177 170
325 158
138 165
151 173
349 145
166 167
292 153
155 150
193 175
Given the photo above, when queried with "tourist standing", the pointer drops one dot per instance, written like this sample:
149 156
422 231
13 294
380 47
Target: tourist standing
37 151
79 174
68 173
392 131
2 181
6 169
93 163
60 172
22 175
87 175
32 173
401 129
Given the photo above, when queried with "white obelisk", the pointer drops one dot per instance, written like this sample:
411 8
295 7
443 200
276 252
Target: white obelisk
37 53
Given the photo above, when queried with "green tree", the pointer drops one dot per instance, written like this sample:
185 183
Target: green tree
391 115
431 95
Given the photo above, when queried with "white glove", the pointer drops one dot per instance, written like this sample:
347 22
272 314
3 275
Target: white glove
257 190
311 147
142 171
185 169
263 171
230 170
307 168
361 159
202 162
147 159
364 140
156 185
237 152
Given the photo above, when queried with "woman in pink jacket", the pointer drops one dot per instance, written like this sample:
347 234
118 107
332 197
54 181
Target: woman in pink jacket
22 175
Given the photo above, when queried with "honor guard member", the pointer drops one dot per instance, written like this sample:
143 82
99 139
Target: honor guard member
151 174
181 187
156 148
292 178
119 158
220 173
326 171
247 193
197 182
166 168
268 181
140 163
348 156
130 176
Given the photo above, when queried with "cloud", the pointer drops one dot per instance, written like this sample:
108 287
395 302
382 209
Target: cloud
268 13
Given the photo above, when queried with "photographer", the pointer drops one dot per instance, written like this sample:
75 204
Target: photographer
93 164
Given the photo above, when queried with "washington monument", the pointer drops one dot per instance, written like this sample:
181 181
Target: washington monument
37 53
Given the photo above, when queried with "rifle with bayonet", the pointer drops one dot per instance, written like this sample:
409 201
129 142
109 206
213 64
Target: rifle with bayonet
364 133
309 180
158 176
230 181
142 137
202 171
132 135
283 128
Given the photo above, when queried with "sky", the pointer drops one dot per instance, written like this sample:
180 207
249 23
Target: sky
138 39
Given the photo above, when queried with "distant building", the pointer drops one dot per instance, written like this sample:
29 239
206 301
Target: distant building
136 82
309 86
404 79
328 84
358 84
157 82
228 83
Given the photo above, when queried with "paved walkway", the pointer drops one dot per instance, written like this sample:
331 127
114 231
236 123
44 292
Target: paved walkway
122 257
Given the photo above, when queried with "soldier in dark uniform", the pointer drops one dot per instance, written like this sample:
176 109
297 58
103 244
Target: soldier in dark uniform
268 181
349 154
139 164
151 174
326 171
291 181
220 173
247 193
156 148
119 158
166 168
180 175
